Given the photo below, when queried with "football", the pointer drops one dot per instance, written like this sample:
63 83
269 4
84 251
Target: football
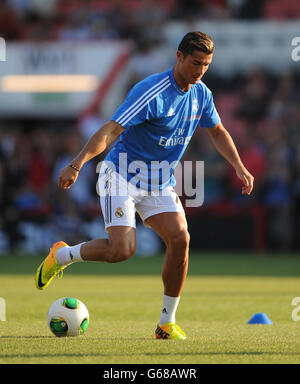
68 316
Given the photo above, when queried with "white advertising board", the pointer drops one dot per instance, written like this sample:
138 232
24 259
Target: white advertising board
55 79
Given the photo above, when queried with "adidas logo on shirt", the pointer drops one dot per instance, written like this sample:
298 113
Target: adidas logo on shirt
171 112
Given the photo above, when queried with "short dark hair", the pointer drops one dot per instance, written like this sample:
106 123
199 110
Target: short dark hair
199 41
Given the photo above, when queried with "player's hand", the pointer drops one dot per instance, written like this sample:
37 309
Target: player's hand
67 177
246 178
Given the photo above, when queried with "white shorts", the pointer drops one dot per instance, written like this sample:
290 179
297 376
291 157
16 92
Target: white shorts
120 200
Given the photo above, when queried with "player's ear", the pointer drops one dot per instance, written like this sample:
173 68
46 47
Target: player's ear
179 56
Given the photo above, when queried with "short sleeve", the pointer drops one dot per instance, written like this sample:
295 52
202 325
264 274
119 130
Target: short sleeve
135 109
210 117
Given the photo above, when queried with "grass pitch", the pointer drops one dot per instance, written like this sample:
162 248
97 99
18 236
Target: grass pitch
221 294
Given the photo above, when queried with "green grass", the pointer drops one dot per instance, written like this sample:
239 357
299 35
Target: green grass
221 294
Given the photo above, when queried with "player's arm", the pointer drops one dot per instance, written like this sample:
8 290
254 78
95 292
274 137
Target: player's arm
107 134
226 147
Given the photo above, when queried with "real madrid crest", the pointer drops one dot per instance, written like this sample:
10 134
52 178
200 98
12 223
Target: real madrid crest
119 212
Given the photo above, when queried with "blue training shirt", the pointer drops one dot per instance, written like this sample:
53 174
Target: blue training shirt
159 120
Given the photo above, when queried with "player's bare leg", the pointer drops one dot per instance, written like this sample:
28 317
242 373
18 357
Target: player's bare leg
172 228
120 246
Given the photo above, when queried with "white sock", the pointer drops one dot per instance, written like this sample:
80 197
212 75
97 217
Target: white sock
68 255
169 308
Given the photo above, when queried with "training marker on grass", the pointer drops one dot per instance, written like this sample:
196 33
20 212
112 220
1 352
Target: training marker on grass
260 318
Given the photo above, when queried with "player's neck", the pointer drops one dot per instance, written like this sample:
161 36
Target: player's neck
182 84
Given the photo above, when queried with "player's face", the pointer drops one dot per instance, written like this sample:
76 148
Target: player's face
192 67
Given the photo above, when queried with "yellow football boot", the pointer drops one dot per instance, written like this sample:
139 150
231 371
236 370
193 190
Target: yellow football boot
49 267
169 331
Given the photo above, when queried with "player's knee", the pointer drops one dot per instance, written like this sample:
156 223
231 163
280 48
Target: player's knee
122 252
180 240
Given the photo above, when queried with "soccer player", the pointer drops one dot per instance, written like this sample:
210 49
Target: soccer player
152 127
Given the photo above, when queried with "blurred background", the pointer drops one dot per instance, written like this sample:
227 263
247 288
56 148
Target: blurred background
70 63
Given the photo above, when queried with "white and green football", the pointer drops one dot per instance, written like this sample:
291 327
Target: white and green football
68 316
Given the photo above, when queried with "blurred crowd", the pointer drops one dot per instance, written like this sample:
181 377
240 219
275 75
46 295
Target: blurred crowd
259 109
141 20
262 113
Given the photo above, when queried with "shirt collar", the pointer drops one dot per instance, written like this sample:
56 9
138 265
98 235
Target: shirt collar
175 85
